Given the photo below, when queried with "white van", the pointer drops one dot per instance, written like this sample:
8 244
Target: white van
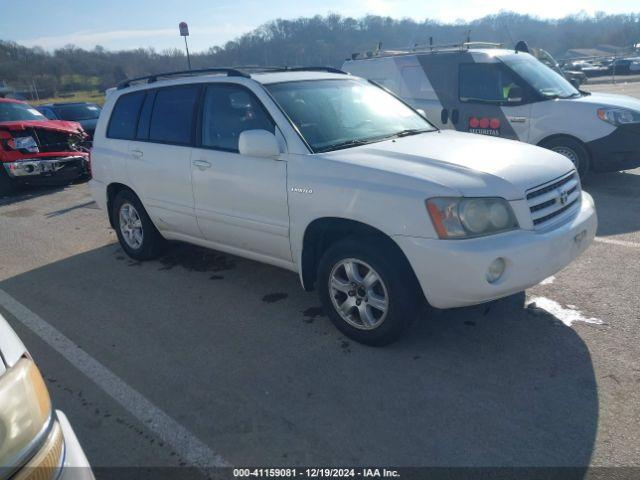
332 177
481 88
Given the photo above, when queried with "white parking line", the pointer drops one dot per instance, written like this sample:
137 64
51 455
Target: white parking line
187 445
621 243
568 315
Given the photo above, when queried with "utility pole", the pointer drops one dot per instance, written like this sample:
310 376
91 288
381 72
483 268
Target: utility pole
184 32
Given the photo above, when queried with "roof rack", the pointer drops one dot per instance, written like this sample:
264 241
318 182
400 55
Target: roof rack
426 48
231 72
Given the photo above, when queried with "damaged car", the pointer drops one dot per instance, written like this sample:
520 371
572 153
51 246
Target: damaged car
35 150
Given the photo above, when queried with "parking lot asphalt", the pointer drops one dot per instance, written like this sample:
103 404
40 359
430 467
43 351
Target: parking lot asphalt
248 366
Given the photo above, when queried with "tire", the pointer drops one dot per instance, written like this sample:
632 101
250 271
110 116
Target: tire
574 150
377 325
136 232
7 185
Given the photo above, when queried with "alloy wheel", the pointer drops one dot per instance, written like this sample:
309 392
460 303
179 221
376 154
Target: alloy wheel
358 294
131 226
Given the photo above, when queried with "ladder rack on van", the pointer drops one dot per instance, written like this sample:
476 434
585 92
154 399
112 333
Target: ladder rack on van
230 72
427 48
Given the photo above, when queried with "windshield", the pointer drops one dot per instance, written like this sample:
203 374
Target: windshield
12 112
334 114
543 79
75 113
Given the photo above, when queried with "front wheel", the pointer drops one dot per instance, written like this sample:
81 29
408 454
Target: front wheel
369 296
7 185
574 151
136 232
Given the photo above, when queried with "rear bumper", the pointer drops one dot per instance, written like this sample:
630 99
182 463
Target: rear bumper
452 273
61 168
620 150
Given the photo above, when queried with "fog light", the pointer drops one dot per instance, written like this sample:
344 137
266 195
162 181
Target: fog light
495 270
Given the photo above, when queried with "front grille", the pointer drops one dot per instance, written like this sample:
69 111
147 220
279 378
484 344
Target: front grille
553 200
53 141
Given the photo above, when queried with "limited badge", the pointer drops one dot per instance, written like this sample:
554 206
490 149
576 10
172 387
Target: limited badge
485 126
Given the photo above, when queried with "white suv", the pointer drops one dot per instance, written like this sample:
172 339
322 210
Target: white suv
330 176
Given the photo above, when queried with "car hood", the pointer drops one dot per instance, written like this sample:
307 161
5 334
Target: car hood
610 100
57 125
464 163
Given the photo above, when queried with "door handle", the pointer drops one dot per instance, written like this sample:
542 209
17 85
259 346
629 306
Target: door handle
137 153
517 119
444 116
201 164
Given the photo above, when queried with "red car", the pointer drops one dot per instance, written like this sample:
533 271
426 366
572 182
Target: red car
35 150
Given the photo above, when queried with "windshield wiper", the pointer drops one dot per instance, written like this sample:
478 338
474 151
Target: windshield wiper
347 144
411 131
363 141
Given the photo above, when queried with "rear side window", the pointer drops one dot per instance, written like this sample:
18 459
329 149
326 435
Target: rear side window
228 111
485 82
145 116
416 83
173 113
124 118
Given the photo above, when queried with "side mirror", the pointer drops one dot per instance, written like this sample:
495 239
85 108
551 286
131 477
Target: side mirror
422 113
258 143
515 94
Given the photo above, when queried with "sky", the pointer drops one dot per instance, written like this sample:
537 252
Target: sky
128 24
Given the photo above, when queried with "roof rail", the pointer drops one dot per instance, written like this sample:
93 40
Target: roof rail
274 68
231 72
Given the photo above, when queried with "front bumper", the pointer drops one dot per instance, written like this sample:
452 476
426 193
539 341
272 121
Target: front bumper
60 456
620 150
452 273
75 465
68 168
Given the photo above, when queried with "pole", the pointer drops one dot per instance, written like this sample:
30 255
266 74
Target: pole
188 57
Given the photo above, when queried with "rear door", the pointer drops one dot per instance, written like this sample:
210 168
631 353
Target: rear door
159 163
241 201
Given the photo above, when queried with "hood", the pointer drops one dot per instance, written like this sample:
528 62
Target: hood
610 100
469 164
56 125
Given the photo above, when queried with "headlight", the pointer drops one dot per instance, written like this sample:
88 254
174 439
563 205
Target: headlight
470 217
24 143
25 412
618 116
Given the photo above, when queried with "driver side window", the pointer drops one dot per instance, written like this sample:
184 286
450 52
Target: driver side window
486 83
228 111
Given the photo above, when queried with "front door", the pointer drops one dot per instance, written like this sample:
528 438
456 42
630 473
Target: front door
240 201
492 101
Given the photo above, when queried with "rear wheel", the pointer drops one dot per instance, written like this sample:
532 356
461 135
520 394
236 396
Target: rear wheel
136 232
367 294
574 151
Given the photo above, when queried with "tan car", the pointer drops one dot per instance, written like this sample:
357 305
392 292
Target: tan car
36 442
